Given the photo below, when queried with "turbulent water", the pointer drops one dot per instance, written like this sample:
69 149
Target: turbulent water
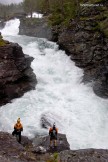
60 96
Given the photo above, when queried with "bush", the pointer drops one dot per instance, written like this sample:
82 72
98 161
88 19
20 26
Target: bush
54 158
2 42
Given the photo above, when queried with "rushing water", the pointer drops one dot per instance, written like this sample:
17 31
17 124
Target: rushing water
60 96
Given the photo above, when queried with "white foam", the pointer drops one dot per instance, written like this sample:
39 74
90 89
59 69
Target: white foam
35 15
60 96
11 27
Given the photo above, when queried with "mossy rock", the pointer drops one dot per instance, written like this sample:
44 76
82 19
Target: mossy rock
31 21
104 27
53 158
55 19
2 42
84 18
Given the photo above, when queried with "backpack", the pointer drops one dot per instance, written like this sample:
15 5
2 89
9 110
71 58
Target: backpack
54 133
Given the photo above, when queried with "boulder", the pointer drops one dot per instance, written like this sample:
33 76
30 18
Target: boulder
16 75
35 27
44 142
45 123
2 24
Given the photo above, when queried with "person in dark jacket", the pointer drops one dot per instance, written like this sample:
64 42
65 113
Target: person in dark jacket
53 131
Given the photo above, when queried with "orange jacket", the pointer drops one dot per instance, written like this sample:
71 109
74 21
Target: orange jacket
18 126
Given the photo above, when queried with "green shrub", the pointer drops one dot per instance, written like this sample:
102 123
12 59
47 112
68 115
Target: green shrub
104 27
2 42
56 19
30 21
54 158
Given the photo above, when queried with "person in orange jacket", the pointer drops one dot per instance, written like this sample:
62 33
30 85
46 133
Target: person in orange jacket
18 127
53 131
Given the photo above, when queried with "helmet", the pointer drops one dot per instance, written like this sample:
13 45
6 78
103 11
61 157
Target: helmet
54 125
18 120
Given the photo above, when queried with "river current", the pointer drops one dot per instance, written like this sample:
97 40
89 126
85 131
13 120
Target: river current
60 96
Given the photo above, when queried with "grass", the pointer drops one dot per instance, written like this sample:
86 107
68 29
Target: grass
54 158
104 27
2 42
31 21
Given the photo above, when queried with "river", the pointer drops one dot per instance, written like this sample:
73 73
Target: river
60 96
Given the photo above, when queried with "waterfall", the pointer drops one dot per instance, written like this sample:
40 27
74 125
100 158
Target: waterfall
60 96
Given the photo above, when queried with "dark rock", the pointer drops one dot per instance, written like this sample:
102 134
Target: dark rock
12 151
87 44
36 28
62 143
44 122
16 75
2 24
87 155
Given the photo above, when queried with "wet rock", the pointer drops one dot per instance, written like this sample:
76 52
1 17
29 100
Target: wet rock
62 143
16 75
44 122
48 119
2 24
36 28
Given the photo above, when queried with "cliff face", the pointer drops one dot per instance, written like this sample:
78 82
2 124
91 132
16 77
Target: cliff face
16 75
86 41
2 24
35 27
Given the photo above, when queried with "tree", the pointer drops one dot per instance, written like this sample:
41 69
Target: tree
29 6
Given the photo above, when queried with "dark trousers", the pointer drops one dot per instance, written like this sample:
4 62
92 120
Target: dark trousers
18 133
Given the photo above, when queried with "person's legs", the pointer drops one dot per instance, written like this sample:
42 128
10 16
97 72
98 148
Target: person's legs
50 141
55 142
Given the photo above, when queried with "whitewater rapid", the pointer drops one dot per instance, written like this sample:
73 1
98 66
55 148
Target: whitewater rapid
60 95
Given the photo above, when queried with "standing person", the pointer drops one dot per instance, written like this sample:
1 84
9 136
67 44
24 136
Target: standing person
18 127
53 131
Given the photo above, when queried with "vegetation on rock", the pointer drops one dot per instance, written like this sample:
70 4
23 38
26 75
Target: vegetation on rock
53 158
2 42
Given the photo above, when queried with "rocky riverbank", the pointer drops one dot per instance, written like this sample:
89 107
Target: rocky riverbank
34 150
37 150
16 75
